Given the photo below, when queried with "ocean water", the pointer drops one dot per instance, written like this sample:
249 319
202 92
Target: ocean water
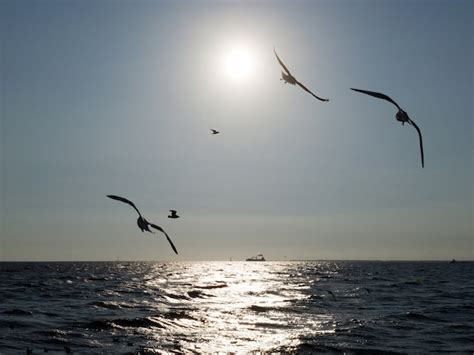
242 307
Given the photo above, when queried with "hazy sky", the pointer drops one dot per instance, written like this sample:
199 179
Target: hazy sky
117 97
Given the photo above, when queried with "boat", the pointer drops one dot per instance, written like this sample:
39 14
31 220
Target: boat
259 257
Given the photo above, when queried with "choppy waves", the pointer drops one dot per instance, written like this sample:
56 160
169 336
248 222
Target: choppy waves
243 307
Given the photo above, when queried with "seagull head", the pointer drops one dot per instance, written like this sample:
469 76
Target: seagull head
142 224
402 116
288 78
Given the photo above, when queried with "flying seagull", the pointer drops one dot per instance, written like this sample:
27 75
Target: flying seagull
332 294
173 214
401 116
143 224
290 79
213 131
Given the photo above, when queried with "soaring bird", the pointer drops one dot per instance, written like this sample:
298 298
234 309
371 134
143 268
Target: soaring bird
173 214
290 79
142 223
401 116
332 294
213 131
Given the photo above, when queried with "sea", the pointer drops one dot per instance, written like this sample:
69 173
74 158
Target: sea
299 307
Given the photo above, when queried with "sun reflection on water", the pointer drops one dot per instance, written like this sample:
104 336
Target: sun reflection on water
235 306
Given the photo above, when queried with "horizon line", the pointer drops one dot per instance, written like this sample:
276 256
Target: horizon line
231 261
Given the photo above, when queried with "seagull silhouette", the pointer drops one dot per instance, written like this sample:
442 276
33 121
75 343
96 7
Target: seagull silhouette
401 116
142 223
332 294
213 131
173 214
290 79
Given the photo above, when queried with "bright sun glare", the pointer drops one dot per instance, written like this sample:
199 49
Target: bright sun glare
238 63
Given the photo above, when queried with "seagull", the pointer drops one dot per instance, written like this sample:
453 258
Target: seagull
213 131
173 214
143 224
290 79
401 116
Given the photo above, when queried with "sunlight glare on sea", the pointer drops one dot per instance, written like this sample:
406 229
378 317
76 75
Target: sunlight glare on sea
241 307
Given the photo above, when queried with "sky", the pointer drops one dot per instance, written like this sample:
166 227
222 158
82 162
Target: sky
117 97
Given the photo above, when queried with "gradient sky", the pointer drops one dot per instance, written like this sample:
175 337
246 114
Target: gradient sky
117 97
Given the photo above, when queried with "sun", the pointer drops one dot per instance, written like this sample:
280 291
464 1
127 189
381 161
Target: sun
238 63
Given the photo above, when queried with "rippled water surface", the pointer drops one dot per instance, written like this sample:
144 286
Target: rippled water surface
202 307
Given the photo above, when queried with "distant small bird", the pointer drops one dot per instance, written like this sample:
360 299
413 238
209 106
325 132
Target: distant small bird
332 294
290 79
213 131
401 116
142 223
173 214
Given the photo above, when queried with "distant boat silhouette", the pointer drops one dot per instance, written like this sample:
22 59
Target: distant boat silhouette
288 78
401 116
213 131
259 257
173 214
142 223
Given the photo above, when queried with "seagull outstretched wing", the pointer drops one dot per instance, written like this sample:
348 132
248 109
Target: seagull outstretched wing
281 63
378 95
421 142
122 199
167 237
306 89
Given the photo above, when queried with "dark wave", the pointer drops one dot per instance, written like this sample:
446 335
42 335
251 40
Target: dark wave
271 325
18 312
98 278
176 296
178 315
306 348
259 309
53 333
419 316
212 286
318 348
14 324
110 305
51 314
198 294
146 322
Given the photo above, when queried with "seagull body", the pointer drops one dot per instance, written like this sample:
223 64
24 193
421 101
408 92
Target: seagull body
142 223
288 78
401 116
213 131
173 214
